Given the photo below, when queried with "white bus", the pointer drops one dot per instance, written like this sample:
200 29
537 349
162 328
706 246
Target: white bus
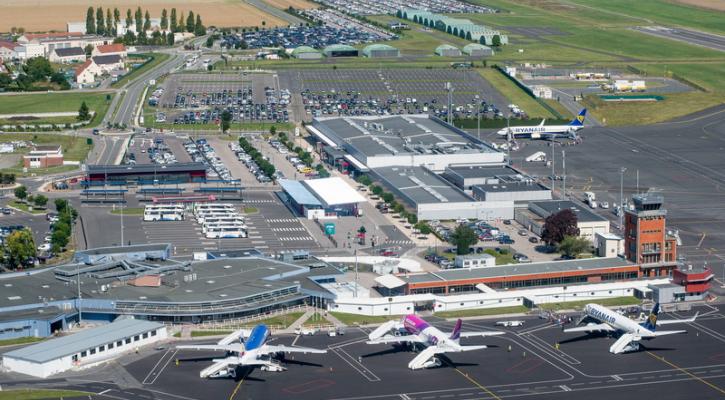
165 207
207 227
213 207
232 219
225 232
163 215
200 218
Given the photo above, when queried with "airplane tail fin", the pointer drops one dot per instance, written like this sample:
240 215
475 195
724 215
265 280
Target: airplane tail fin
579 120
456 334
651 322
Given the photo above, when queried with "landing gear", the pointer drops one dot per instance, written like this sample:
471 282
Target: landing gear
434 362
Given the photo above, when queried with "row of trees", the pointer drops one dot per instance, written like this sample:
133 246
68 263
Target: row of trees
265 166
7 179
22 194
107 24
393 204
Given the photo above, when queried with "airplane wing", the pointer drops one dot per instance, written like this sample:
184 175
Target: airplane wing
471 348
678 321
269 349
602 327
397 339
216 347
542 122
481 334
665 333
234 336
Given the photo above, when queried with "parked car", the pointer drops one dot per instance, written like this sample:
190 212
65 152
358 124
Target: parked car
510 323
533 239
523 232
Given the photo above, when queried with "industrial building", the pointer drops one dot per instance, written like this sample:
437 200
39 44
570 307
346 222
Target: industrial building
340 50
477 50
133 253
321 198
588 222
84 348
402 140
446 50
306 53
463 28
179 172
380 51
433 198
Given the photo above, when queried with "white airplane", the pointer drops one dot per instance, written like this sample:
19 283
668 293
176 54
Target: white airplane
413 330
602 319
251 352
546 132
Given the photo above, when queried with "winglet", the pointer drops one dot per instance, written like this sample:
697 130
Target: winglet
456 334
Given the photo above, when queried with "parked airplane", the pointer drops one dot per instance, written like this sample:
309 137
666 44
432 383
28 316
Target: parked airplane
250 352
602 319
546 132
413 330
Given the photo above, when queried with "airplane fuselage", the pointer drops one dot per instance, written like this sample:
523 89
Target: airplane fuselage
616 320
432 335
538 132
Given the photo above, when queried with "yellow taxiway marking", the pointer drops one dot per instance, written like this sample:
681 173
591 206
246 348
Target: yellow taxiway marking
485 389
236 389
719 389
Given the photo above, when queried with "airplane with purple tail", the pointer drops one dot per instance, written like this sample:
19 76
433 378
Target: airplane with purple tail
414 331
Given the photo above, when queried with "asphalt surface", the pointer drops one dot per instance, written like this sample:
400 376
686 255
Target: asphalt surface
680 160
670 367
709 40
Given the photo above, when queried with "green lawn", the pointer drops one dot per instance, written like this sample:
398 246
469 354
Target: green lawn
355 319
54 102
75 148
37 394
156 59
209 333
26 208
283 321
250 210
514 94
480 312
315 320
21 340
613 302
128 211
18 170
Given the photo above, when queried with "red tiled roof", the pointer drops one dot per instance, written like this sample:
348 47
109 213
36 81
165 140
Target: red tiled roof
83 66
111 48
7 45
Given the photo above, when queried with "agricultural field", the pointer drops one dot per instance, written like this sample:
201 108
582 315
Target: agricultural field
296 4
55 13
717 5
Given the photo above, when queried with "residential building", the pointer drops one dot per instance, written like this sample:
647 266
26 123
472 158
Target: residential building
67 55
117 49
108 63
86 73
7 51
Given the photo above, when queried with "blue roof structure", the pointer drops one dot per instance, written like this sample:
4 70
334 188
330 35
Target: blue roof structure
299 193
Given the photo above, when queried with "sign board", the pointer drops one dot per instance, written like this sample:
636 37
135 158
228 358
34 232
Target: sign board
329 228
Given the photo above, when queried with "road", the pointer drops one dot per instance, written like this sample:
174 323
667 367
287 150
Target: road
711 41
276 12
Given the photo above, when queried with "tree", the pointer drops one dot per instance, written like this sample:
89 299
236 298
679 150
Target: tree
138 18
377 190
21 192
423 227
90 22
170 39
209 41
559 225
273 130
199 29
116 18
164 20
180 26
496 41
40 200
59 79
59 239
129 18
100 26
38 68
110 31
190 22
463 238
60 205
572 246
5 80
147 21
226 121
172 25
83 112
20 247
88 49
412 219
365 180
388 197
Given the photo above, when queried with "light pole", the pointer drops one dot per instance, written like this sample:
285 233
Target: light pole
622 170
121 224
563 167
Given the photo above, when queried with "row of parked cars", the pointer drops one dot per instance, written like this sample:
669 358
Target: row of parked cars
201 151
315 36
252 165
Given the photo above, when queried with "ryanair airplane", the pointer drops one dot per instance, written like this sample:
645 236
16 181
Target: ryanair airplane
547 132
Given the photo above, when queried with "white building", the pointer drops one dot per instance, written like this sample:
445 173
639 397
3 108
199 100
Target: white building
67 55
29 50
608 244
588 222
83 348
475 261
542 92
72 27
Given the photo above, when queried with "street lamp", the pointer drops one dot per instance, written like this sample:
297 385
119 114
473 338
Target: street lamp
622 170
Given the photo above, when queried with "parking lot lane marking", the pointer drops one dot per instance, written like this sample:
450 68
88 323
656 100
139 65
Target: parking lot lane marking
104 392
717 388
485 389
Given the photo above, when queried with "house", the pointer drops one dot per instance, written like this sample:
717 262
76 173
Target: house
108 63
7 50
44 157
110 49
87 72
67 55
29 50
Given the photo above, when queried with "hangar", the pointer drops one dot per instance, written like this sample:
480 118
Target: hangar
446 50
306 53
83 348
340 50
477 50
380 50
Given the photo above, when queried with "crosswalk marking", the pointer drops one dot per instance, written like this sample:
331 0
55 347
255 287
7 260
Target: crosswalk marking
259 201
399 242
290 229
281 220
295 238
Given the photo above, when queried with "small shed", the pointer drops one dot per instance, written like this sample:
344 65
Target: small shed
477 50
380 50
446 50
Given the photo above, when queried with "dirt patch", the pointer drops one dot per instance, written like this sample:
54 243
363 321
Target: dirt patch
45 15
9 160
296 4
550 5
718 5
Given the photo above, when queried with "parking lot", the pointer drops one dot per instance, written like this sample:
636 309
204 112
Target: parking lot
315 36
375 7
371 92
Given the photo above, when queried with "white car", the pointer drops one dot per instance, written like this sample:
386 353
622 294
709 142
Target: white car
44 247
604 204
305 331
510 323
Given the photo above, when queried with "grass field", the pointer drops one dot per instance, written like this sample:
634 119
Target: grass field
37 394
481 312
54 102
515 94
74 148
220 13
210 333
613 302
156 59
316 320
26 208
355 319
21 340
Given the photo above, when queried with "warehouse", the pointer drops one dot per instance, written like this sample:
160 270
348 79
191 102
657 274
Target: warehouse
306 53
380 50
402 140
84 348
477 50
321 198
446 50
432 198
588 222
340 50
